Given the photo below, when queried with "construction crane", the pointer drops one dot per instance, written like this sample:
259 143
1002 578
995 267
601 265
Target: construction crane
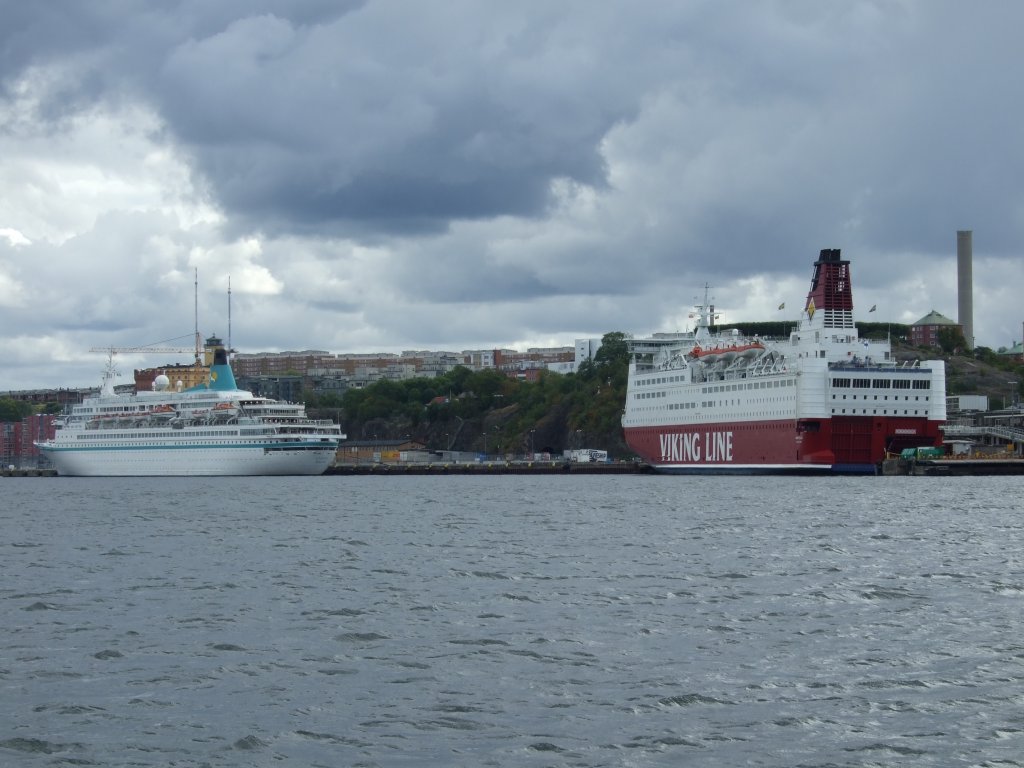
110 371
143 350
150 349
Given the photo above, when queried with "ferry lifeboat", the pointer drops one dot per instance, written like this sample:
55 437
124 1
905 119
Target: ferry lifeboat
726 353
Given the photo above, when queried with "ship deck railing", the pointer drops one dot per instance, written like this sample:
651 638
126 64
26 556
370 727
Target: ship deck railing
139 421
907 366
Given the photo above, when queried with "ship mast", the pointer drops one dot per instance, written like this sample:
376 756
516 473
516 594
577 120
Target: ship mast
195 304
706 316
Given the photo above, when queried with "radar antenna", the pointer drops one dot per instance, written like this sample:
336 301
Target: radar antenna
195 304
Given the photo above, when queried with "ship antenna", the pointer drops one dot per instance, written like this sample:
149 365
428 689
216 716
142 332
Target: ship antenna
229 314
196 308
109 374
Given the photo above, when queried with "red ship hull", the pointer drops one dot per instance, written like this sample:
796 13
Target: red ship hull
844 445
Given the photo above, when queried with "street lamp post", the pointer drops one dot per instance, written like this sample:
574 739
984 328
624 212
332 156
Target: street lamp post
497 442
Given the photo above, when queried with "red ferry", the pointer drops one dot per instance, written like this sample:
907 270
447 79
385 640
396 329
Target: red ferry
821 400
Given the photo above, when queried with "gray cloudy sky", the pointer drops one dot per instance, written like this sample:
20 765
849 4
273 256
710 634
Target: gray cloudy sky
388 174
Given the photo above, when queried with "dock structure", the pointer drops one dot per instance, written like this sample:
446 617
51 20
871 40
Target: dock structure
953 467
990 431
31 472
439 469
985 448
492 468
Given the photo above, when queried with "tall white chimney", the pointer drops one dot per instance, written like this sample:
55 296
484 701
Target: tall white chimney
965 284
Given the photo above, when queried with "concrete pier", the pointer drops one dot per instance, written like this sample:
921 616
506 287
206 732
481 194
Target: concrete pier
9 472
491 468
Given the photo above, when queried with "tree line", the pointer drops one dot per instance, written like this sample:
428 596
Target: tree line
14 410
588 402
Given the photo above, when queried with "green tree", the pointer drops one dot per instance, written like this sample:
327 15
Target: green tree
13 410
457 379
487 385
614 350
951 339
587 370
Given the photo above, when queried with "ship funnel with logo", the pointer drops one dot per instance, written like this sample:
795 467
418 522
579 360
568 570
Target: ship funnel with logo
221 377
830 299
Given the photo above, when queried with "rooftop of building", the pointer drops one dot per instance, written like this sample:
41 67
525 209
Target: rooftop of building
935 318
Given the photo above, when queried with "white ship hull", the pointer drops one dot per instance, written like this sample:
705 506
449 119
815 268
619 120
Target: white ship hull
191 460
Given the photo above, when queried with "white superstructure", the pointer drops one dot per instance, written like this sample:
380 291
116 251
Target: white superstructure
216 429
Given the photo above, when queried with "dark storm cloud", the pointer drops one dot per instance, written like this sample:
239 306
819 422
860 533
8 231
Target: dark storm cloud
301 116
337 127
360 119
386 174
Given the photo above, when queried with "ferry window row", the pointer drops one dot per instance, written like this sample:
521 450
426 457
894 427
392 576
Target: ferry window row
844 383
884 397
659 380
884 412
748 385
722 387
751 385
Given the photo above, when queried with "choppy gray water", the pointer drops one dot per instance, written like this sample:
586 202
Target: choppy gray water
512 621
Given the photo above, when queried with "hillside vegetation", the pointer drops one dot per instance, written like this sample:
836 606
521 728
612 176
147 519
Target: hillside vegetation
487 412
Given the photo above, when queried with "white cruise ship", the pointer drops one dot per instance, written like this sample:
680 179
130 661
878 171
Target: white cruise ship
212 429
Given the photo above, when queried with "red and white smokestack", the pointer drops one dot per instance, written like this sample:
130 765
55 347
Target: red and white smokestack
831 291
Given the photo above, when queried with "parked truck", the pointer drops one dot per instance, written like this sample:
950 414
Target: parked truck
587 456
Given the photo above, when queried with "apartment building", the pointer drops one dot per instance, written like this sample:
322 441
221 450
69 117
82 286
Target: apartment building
925 332
17 439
